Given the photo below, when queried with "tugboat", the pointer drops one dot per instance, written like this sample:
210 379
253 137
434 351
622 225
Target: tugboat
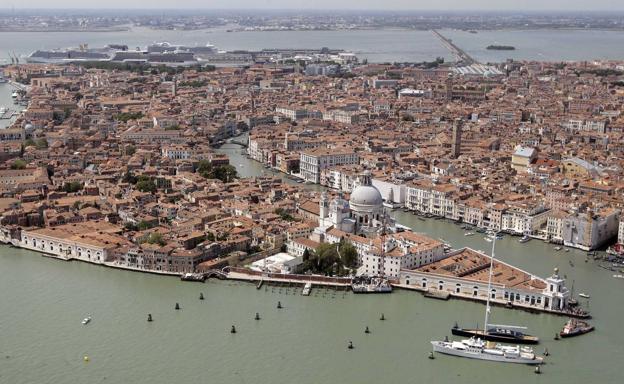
575 327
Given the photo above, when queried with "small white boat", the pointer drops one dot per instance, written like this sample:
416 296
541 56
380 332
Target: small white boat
488 239
557 248
585 295
524 239
86 320
619 276
307 289
468 233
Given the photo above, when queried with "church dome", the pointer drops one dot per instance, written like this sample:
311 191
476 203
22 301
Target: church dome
365 194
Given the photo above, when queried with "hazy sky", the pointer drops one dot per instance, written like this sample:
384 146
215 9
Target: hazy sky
327 4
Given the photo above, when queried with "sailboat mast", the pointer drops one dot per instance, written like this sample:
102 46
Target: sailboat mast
489 288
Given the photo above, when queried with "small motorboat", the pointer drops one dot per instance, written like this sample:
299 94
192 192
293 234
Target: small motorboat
557 248
585 295
575 327
619 276
468 233
86 320
524 239
488 239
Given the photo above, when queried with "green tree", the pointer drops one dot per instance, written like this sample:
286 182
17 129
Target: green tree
156 238
18 164
143 225
348 255
41 144
72 186
146 184
128 177
204 168
225 173
126 116
284 215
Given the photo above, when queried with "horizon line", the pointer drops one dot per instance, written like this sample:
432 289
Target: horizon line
455 10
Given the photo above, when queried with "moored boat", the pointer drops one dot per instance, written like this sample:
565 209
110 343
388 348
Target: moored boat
575 327
500 333
475 348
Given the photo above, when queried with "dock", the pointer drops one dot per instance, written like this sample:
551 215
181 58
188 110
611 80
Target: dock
6 114
460 54
436 294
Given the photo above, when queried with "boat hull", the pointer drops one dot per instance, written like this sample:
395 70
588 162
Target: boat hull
440 348
489 337
576 333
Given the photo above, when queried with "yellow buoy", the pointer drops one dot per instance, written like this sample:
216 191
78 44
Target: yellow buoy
86 358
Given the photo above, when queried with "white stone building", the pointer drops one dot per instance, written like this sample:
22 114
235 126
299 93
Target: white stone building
313 161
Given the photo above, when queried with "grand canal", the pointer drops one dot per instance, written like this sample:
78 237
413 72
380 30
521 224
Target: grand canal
43 301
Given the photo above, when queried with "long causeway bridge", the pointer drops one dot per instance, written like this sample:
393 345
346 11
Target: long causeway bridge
460 54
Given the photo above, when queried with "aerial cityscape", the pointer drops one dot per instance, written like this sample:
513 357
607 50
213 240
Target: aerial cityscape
311 194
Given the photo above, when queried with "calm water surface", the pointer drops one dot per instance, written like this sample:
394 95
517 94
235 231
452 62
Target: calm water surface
376 45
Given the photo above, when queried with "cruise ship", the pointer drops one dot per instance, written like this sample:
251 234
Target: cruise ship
156 54
475 348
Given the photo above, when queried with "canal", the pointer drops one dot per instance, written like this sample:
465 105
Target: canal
43 302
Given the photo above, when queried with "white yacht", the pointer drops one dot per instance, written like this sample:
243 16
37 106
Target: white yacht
475 348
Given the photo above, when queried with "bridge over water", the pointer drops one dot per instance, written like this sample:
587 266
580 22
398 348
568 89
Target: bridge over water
459 53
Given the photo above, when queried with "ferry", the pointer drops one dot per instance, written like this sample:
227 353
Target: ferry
475 348
86 320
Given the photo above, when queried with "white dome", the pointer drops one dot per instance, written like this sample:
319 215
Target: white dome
366 195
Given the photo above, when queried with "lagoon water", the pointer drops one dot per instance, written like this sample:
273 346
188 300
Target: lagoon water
43 301
386 45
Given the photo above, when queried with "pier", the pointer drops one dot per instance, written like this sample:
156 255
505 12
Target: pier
461 55
6 114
